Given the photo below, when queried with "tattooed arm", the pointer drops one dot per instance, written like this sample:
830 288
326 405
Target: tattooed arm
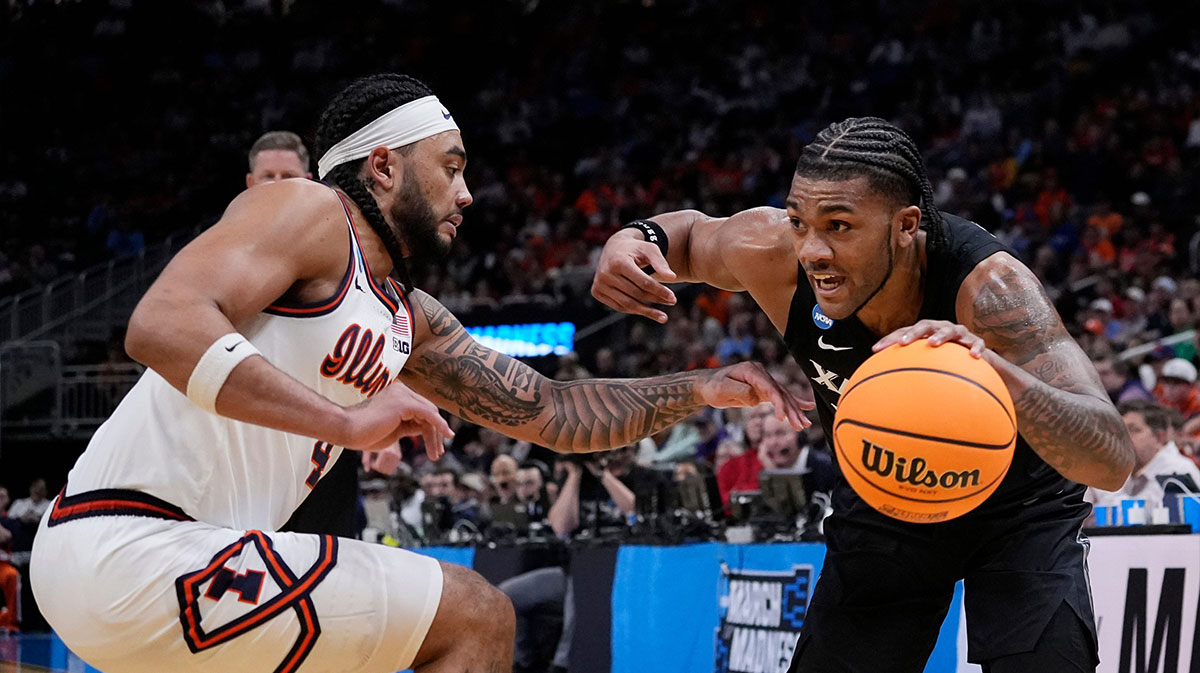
494 390
1062 408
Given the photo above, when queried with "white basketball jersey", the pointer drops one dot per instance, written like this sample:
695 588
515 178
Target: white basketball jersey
244 476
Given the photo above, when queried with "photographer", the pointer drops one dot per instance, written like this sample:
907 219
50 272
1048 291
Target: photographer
531 489
503 476
598 491
447 503
597 495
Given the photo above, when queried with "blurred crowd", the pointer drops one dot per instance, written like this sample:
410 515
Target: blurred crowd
1072 131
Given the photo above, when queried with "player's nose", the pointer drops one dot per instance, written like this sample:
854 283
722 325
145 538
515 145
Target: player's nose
463 198
812 250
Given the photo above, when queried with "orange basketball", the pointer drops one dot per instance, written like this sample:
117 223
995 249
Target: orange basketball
925 434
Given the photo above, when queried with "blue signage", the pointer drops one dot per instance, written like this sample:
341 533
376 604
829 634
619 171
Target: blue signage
529 340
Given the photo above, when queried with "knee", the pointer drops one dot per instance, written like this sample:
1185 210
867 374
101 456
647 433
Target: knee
482 608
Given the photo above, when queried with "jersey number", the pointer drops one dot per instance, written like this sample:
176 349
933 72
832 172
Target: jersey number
320 460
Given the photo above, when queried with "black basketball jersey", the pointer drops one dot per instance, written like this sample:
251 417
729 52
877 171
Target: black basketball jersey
830 351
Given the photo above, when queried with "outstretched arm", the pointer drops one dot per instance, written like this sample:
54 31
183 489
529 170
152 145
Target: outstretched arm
494 390
1062 409
747 251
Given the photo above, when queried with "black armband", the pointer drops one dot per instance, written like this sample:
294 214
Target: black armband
653 234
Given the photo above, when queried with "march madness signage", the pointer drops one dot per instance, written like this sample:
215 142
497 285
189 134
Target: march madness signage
1145 589
761 615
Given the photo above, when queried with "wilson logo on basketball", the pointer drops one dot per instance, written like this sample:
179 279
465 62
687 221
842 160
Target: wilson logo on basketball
356 360
884 462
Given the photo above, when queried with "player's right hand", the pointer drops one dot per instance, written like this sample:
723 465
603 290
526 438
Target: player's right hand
395 412
620 282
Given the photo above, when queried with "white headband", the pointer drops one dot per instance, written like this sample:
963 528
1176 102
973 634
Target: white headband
406 124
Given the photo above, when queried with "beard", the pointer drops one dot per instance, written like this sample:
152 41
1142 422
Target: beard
417 227
887 275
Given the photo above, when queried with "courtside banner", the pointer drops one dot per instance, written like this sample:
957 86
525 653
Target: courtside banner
761 614
676 609
463 556
1145 590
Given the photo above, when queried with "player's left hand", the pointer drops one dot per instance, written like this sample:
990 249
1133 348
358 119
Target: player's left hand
938 332
384 462
747 384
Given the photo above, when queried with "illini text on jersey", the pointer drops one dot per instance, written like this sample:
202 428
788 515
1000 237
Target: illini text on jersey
356 360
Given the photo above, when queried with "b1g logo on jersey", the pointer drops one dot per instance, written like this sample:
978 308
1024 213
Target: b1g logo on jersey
401 333
821 320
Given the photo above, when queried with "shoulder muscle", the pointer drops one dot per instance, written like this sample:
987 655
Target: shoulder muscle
750 251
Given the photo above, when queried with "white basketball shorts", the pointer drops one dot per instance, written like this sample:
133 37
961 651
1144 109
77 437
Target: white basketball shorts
131 593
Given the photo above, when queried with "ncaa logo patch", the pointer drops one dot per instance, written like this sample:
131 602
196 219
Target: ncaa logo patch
820 319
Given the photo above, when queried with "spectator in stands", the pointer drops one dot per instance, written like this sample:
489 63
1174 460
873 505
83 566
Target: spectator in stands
477 455
277 155
531 482
782 449
681 441
10 577
740 473
504 479
728 449
1118 382
569 368
1190 350
1177 387
446 483
531 490
739 344
29 510
1155 455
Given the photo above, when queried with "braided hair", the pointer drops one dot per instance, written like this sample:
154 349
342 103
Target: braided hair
360 103
878 150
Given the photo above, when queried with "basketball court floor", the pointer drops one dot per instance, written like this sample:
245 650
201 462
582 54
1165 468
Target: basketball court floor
38 653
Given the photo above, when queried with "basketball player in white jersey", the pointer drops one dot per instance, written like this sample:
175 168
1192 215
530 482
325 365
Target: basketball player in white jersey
274 340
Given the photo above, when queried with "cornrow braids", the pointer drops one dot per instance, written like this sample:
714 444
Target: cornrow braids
346 178
360 103
885 155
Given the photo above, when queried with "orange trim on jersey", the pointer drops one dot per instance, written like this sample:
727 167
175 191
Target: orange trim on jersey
404 298
305 310
112 502
325 307
308 638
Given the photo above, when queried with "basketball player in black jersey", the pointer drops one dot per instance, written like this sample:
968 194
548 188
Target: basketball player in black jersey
861 260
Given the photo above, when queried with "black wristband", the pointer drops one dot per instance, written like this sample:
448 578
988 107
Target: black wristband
652 233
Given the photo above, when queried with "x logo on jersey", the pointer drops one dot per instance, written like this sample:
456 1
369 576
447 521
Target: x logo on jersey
827 378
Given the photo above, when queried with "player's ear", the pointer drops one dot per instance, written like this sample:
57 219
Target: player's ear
382 169
907 221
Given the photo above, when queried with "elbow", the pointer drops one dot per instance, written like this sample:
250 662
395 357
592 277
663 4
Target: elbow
1106 483
1123 470
1116 474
